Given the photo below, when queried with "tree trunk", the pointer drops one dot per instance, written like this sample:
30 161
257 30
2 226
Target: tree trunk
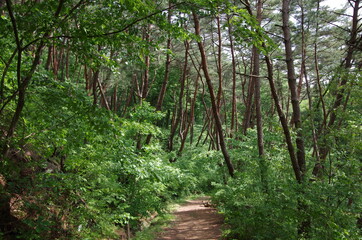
257 100
162 93
94 86
233 62
283 121
292 87
213 99
249 101
347 64
180 98
146 74
104 99
192 115
114 98
219 63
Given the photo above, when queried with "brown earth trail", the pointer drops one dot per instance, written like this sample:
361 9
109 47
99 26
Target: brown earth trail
194 221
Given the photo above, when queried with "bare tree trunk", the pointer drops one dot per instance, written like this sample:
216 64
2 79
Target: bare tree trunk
192 115
249 101
162 92
182 88
257 100
347 64
88 79
7 226
303 52
293 87
283 121
115 100
23 82
94 86
146 74
233 62
104 99
49 58
314 134
219 63
67 62
213 99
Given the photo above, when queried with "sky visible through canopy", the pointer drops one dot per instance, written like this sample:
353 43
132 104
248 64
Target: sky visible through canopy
337 4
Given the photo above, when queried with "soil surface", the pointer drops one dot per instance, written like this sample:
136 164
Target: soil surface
194 221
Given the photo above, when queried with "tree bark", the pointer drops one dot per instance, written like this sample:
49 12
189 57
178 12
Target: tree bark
180 98
257 100
292 86
102 93
219 63
94 86
162 93
146 74
192 115
233 63
251 90
283 121
347 65
213 99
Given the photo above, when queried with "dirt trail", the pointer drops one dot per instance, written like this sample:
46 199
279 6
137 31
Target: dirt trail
194 221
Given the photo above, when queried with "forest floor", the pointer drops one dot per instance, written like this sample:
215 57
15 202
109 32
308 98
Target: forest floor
194 221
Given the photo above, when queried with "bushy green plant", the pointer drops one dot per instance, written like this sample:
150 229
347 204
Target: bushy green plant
87 177
327 209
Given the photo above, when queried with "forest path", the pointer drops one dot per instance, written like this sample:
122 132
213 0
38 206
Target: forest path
194 221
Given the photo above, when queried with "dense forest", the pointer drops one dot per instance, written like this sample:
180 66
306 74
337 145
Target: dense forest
111 109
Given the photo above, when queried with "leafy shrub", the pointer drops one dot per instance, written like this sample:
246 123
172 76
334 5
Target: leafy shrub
86 176
328 209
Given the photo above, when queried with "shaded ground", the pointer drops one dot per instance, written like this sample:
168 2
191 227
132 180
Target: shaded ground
194 221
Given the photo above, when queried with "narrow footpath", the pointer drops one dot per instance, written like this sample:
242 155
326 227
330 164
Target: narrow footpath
194 221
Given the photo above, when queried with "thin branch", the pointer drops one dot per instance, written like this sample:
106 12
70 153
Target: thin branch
333 24
104 34
251 75
14 24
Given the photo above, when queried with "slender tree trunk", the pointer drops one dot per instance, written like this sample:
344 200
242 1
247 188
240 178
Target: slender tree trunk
115 100
303 52
192 115
146 74
283 121
310 105
213 99
347 64
22 84
49 58
199 77
251 90
243 80
94 86
257 100
67 61
104 99
180 98
233 62
219 63
162 93
293 87
88 80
